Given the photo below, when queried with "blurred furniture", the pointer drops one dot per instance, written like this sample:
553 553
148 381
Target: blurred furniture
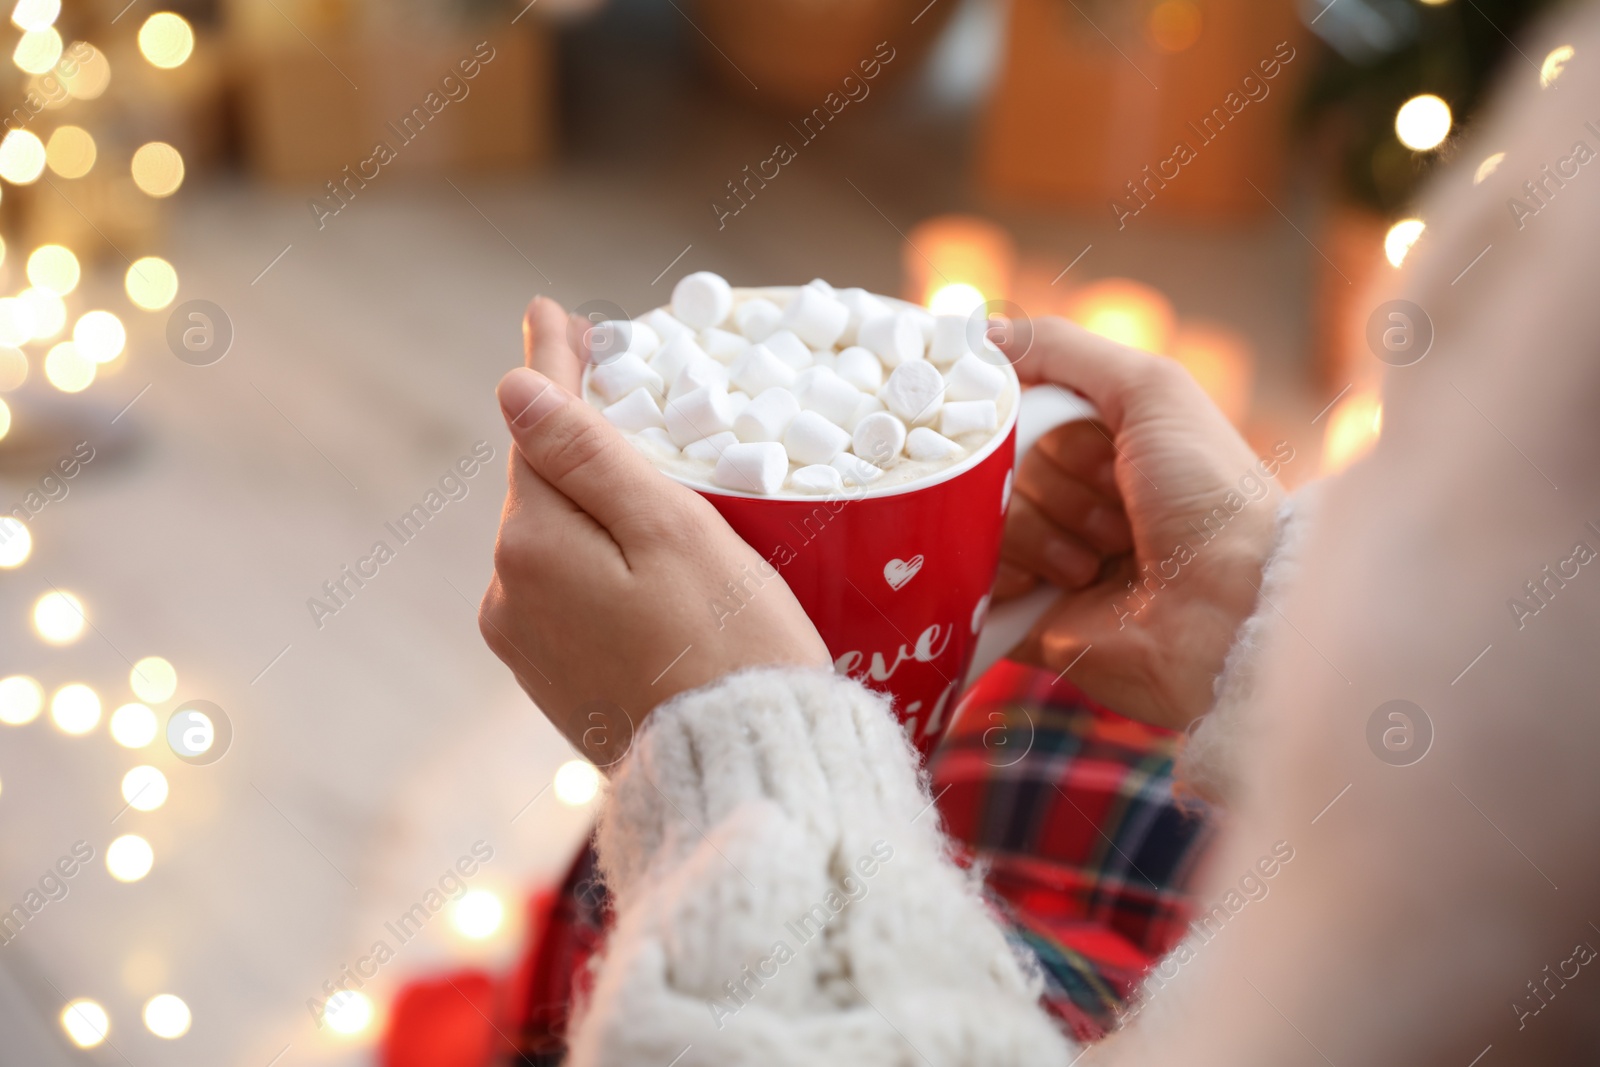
1077 114
304 119
793 53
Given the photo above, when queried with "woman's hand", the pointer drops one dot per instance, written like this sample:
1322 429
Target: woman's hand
1163 473
607 573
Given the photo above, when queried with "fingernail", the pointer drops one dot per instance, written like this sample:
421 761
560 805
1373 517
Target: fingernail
1071 563
527 396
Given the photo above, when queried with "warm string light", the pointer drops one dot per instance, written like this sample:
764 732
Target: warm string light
576 782
1398 241
1423 122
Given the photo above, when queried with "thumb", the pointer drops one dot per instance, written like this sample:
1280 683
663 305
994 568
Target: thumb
575 450
1063 353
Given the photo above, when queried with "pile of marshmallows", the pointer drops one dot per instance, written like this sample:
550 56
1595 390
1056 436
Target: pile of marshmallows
837 385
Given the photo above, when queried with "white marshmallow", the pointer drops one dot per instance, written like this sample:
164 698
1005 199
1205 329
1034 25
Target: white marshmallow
758 317
968 416
828 395
914 391
609 339
862 305
665 326
950 341
974 378
710 449
698 414
867 405
856 471
676 354
740 401
811 438
623 375
924 320
634 412
893 338
824 357
787 346
767 416
923 443
823 285
701 370
654 441
878 438
701 299
860 368
722 345
759 369
815 316
817 479
758 467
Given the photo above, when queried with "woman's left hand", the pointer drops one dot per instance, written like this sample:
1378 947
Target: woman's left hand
608 575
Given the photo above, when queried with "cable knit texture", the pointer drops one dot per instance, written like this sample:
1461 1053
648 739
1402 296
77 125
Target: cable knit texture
784 896
1214 757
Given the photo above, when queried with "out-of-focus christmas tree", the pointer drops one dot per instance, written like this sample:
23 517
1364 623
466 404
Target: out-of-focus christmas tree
1399 77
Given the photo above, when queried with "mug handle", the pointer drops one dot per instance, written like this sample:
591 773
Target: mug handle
1042 409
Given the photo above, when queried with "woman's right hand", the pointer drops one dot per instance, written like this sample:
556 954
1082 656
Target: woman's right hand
1165 498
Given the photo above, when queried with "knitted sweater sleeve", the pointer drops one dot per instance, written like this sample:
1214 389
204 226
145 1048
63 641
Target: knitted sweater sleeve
784 895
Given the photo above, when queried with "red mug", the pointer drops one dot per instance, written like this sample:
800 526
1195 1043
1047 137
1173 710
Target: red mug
896 579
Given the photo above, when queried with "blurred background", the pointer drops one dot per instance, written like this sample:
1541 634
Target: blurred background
264 260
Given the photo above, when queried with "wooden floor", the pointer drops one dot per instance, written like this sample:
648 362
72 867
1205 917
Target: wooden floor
373 750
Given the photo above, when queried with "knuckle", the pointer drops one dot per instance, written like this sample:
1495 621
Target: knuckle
585 450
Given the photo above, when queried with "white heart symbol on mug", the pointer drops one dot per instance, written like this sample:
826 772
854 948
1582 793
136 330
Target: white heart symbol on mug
898 572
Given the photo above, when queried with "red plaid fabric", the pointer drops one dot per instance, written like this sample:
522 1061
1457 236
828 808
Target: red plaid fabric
1067 806
1086 854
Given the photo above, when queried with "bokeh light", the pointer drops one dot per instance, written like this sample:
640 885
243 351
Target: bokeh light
48 311
1488 167
22 157
1353 428
75 709
38 50
16 543
68 369
35 14
576 782
1554 64
16 322
166 40
5 428
1173 25
129 858
59 617
144 788
21 700
100 336
71 151
85 1022
133 726
957 298
54 269
1125 311
348 1012
92 75
157 169
151 283
13 368
153 679
1423 122
1401 236
478 914
166 1015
